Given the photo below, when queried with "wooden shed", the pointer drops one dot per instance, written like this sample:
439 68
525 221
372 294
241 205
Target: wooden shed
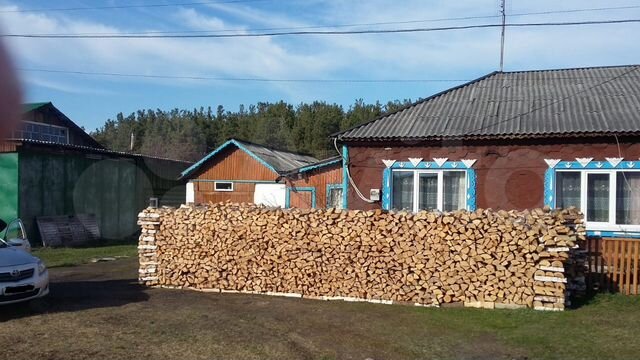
315 186
241 171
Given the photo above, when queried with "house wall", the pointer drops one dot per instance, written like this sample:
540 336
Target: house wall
231 164
510 174
317 179
47 115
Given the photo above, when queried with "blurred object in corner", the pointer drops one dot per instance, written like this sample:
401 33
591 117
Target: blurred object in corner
10 96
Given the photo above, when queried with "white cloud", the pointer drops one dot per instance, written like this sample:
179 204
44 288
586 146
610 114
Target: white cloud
453 54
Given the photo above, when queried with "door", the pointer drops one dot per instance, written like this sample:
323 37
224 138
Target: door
302 198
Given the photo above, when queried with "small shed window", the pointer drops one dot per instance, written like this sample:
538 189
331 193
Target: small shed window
334 196
223 186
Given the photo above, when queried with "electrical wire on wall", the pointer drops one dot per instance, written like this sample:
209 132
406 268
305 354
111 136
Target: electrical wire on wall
348 173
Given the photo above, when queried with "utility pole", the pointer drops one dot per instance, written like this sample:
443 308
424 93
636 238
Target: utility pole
503 12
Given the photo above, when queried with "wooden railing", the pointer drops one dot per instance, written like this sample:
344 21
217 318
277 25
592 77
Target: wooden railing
614 265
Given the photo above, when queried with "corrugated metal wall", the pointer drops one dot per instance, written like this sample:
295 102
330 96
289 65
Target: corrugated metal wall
113 188
8 186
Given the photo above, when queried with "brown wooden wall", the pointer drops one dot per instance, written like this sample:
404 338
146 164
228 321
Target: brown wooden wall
7 146
317 179
231 164
510 173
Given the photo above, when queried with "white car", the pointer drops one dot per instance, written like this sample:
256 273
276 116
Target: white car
23 277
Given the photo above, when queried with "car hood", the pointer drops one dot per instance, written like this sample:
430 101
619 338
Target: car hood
11 257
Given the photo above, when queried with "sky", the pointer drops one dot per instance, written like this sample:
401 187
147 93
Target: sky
452 55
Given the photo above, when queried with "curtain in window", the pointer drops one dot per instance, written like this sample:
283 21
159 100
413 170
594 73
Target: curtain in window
454 190
428 188
402 190
567 189
598 197
628 198
335 198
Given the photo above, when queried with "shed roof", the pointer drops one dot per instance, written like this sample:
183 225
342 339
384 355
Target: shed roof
88 149
279 161
519 104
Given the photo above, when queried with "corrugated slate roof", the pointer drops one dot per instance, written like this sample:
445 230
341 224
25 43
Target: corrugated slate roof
520 104
92 149
279 161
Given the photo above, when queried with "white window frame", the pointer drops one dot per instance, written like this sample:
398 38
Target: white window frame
45 124
613 183
440 195
215 186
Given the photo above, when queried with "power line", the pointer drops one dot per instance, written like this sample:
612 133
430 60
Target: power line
214 78
557 101
475 17
337 32
197 3
113 7
180 77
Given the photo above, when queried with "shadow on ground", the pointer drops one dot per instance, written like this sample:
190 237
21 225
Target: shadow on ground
72 291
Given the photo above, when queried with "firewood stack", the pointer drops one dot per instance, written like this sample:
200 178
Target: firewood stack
482 258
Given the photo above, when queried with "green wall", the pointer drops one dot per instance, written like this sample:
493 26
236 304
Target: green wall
8 186
113 188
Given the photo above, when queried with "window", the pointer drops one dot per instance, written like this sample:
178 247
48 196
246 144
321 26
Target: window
416 190
42 132
334 196
610 199
223 186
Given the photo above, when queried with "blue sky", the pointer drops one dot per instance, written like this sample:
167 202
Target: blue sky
468 54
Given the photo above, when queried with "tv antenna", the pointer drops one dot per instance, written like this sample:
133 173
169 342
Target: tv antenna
503 13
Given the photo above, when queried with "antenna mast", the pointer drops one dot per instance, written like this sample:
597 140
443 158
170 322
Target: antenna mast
503 12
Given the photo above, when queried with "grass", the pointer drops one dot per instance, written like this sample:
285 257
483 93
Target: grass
77 256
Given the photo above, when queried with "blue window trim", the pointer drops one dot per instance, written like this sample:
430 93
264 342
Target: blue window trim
329 188
429 165
287 199
200 162
345 176
550 187
235 181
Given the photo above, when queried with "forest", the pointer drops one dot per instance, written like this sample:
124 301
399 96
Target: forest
190 134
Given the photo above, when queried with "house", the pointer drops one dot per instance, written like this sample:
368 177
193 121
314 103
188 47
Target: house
508 140
52 167
242 171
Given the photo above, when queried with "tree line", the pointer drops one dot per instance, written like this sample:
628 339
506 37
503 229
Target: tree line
190 134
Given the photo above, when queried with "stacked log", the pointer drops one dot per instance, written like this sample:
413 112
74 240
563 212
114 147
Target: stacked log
482 258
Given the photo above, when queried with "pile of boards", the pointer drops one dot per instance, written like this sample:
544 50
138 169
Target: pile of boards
482 258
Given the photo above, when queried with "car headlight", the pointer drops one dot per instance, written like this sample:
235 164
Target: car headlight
41 267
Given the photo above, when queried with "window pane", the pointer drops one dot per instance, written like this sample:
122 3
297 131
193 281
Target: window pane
403 190
223 186
567 189
628 198
428 192
598 197
335 198
454 190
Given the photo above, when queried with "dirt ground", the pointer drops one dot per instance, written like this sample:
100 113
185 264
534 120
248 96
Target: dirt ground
98 311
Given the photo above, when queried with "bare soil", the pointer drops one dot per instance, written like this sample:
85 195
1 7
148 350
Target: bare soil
98 311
